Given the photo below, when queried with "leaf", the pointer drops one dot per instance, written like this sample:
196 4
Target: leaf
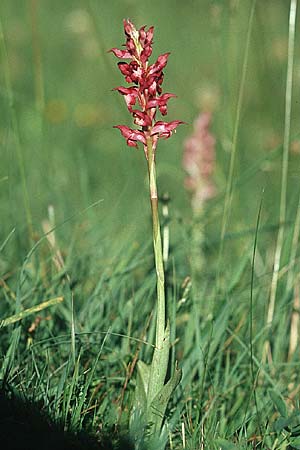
278 402
144 373
160 402
295 442
226 445
282 423
159 366
142 381
295 431
21 315
290 424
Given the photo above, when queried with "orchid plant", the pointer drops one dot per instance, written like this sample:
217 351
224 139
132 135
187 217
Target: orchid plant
144 98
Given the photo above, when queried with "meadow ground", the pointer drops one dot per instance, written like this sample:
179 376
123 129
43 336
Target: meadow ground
232 272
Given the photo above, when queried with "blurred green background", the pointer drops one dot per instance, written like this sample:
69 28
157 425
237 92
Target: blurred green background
62 109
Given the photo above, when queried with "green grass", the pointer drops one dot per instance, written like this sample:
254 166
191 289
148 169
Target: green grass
77 358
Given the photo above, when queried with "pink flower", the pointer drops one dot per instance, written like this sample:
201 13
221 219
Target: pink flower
120 53
165 129
199 161
161 102
130 95
132 136
145 94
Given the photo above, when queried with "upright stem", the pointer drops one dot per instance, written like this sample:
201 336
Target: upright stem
157 244
285 158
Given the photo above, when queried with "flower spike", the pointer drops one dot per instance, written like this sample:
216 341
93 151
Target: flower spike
144 98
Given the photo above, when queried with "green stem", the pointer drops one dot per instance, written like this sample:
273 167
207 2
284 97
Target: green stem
152 393
157 244
285 158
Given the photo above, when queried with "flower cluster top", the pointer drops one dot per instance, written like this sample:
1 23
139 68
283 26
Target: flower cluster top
145 96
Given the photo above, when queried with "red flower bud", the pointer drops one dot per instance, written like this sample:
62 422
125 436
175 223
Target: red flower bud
128 27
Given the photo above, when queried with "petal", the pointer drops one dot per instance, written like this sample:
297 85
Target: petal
165 129
141 118
131 143
142 34
131 47
149 35
146 53
127 91
124 68
146 38
120 53
129 28
163 110
152 89
130 95
159 64
132 72
132 136
161 102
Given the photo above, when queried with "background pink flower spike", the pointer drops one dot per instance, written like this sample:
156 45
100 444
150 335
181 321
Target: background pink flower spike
199 162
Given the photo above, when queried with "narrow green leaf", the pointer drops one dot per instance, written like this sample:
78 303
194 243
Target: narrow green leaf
7 239
281 424
295 442
27 312
159 366
159 404
278 402
144 374
142 381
